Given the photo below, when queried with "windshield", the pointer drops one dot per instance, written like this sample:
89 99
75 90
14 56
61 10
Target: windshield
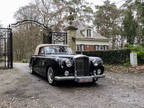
58 50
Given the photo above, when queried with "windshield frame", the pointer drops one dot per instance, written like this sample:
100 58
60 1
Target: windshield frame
58 50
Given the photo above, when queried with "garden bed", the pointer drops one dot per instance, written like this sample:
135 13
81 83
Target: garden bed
120 68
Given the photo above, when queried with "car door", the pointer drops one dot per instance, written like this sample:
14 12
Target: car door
41 61
34 63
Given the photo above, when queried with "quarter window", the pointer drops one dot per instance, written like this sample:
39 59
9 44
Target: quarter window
41 51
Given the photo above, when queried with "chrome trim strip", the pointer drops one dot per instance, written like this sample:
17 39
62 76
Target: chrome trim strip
59 78
79 56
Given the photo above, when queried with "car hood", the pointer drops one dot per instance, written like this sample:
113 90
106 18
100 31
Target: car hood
73 56
65 56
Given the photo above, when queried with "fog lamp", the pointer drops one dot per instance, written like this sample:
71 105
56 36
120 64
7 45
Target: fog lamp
66 73
99 71
94 72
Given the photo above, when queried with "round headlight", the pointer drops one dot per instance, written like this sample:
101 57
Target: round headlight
68 63
95 63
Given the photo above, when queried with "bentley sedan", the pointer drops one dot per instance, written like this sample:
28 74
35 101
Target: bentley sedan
60 63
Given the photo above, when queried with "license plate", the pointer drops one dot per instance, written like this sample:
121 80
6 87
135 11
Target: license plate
84 80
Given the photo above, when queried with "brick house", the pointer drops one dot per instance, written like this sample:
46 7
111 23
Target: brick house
87 39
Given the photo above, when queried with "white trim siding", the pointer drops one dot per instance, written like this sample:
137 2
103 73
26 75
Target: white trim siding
92 43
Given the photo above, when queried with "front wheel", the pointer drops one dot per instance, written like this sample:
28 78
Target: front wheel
50 76
31 70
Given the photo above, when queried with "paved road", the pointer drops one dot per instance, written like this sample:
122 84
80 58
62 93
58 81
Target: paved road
20 89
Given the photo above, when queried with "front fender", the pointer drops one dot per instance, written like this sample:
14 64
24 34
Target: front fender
98 59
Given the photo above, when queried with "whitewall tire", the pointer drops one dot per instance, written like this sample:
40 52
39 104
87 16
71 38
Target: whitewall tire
50 76
31 70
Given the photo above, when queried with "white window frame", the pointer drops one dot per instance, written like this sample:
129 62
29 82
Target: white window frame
89 33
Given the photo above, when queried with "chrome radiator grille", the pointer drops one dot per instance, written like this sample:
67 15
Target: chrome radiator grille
82 66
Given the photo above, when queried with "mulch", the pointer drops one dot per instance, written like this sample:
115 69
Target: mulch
120 68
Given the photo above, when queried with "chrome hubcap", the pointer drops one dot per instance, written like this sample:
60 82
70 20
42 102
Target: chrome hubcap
30 69
50 75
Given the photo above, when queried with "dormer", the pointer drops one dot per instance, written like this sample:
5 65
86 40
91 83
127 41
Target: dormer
88 32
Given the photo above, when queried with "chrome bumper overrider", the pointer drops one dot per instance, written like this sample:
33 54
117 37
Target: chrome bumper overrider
61 78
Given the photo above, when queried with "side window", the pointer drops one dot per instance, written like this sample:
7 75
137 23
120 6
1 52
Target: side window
41 51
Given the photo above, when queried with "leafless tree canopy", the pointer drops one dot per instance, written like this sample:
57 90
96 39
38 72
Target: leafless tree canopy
52 13
107 19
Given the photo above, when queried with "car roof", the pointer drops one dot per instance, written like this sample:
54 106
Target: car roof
44 45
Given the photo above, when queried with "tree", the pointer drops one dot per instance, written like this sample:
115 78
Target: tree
130 25
107 20
140 11
27 12
81 8
54 13
137 6
27 34
1 43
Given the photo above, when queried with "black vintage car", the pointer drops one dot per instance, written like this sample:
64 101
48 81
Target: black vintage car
58 62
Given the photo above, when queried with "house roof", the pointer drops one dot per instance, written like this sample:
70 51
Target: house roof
82 27
98 36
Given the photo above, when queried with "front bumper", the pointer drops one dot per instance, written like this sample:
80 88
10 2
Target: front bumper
63 78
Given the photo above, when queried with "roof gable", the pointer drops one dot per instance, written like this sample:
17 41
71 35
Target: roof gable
82 30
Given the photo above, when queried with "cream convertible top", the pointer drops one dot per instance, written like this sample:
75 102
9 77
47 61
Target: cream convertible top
43 45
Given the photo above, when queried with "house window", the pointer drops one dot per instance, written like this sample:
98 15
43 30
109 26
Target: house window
105 47
102 47
88 32
80 47
96 47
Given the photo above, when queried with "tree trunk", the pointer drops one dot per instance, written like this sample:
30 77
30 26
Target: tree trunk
113 43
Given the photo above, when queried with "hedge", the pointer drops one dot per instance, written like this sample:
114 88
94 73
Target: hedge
140 56
110 56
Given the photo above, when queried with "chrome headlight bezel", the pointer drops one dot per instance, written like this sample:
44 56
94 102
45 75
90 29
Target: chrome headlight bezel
68 63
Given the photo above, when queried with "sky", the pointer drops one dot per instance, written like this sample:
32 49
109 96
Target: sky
9 7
